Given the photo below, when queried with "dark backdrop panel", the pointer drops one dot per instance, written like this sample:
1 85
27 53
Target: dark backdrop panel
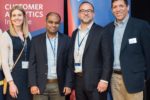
141 9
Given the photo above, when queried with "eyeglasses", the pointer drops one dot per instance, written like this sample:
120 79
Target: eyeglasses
86 11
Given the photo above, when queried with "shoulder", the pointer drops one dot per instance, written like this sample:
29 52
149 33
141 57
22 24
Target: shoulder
109 25
62 35
139 24
6 40
29 36
138 21
96 27
39 37
5 36
74 32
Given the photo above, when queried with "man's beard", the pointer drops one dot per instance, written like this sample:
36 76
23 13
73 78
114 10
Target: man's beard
86 22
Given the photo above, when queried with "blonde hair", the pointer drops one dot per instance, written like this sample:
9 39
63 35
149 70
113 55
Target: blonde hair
24 27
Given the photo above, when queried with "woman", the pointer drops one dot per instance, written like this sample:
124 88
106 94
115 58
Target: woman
1 73
17 43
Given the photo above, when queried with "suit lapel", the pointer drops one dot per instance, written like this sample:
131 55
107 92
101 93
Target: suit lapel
73 40
112 28
90 37
44 47
59 47
126 34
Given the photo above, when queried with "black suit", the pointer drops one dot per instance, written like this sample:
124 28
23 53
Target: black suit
38 65
97 59
134 57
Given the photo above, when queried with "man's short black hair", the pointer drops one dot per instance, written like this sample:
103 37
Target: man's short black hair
87 3
53 13
125 1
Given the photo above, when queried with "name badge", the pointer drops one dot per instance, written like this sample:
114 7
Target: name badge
53 69
25 64
78 67
132 41
77 57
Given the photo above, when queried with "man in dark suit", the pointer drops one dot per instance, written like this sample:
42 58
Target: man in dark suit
48 62
131 38
90 57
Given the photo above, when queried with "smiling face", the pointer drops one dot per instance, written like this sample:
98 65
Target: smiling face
52 23
17 18
86 13
120 9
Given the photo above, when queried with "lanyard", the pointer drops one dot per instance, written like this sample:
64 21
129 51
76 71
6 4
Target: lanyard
24 43
25 49
79 44
53 47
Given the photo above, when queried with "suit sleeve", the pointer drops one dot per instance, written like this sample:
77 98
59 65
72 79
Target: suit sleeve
107 55
7 56
70 73
145 42
32 65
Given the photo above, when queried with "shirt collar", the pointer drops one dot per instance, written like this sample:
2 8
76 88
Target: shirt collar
89 26
52 38
124 21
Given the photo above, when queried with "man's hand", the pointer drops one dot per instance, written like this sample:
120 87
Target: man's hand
34 90
67 90
102 86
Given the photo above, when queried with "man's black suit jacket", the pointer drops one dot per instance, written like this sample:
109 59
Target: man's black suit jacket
97 57
38 64
134 55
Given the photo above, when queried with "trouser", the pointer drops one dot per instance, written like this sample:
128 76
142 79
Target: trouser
83 94
119 91
51 93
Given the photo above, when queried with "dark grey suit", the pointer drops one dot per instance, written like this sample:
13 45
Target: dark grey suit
38 65
96 62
